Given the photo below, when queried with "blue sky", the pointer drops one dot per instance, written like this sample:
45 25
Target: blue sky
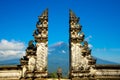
100 20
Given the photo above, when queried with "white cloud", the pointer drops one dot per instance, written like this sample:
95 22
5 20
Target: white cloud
11 49
63 51
90 46
51 49
88 38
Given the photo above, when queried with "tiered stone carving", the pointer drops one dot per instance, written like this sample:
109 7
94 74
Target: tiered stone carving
28 61
81 61
34 63
41 37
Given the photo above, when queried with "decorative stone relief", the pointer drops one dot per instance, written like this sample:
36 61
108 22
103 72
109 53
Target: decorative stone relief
81 60
31 63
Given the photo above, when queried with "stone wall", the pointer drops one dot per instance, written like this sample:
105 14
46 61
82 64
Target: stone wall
10 72
107 71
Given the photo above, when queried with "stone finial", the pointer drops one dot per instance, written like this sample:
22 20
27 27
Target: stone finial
73 17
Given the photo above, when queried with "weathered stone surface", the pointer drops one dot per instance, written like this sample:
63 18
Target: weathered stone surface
41 61
10 74
81 62
34 64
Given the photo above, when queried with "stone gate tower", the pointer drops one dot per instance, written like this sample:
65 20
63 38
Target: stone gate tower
34 63
81 61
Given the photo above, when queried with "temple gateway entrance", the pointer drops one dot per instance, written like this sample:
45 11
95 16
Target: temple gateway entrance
82 66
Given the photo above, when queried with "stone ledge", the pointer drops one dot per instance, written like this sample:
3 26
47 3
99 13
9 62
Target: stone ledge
98 66
45 79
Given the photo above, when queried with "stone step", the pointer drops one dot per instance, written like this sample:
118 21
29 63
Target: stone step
32 79
58 79
46 79
52 79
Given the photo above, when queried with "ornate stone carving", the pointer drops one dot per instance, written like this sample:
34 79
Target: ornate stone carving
41 61
34 64
81 61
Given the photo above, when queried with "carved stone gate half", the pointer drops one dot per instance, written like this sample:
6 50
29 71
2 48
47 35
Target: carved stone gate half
34 63
81 61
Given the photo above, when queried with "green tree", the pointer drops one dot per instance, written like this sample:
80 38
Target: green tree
52 75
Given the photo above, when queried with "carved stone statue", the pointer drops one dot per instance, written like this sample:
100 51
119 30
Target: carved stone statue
59 73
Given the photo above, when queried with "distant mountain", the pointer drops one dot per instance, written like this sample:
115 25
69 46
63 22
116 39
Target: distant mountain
58 56
101 61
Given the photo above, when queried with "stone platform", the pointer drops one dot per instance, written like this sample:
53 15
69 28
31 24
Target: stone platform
46 79
57 79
